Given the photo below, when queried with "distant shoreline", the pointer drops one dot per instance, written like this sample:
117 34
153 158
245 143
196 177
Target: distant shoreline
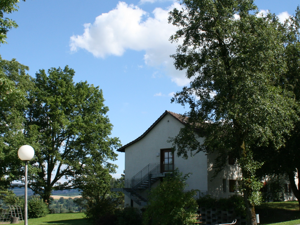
64 196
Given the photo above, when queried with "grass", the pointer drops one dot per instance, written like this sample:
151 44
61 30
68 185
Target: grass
271 213
279 213
60 219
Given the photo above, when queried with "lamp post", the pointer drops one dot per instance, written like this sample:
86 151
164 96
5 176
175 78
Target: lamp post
26 153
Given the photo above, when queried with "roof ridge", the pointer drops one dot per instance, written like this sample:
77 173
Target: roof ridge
182 119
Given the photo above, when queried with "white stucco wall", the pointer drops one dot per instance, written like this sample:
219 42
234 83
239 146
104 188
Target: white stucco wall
215 184
147 150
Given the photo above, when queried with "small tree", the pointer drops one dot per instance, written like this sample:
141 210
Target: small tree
169 203
37 208
96 194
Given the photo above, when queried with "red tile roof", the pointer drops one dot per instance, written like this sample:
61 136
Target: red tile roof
182 119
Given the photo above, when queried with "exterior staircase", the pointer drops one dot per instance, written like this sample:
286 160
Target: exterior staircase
143 180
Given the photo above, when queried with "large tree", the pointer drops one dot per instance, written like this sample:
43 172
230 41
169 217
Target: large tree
14 83
235 60
286 159
67 125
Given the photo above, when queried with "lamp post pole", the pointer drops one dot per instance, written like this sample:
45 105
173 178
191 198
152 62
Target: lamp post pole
26 194
26 153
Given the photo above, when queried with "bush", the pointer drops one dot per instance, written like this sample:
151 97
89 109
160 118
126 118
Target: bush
128 216
109 219
100 208
37 208
170 204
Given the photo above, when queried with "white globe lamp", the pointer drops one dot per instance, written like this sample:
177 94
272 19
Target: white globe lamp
26 153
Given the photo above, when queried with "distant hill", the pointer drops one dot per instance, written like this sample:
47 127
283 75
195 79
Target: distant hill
19 191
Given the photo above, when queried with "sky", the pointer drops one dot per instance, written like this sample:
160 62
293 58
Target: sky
121 46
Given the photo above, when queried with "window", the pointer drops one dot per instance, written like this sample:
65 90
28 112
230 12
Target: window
166 160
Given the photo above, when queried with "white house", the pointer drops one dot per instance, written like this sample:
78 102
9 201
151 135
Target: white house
149 157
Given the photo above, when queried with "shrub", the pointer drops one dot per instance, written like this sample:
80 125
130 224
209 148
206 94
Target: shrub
37 208
168 203
128 216
99 208
109 219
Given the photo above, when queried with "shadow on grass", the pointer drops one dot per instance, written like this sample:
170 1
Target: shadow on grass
70 222
273 215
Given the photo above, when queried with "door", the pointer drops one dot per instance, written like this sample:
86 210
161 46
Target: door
166 160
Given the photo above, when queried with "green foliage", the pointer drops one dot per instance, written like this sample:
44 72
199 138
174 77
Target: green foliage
6 7
251 184
128 216
285 160
96 195
14 84
37 208
234 202
118 183
168 203
65 205
100 208
238 71
8 197
67 125
109 219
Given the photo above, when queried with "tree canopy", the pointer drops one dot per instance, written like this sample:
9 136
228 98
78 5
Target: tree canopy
14 83
67 125
6 7
235 59
285 160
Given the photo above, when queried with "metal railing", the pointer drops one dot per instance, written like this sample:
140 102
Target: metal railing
142 175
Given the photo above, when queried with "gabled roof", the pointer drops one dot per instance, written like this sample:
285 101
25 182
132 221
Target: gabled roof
182 119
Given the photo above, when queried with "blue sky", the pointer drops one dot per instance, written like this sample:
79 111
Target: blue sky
121 46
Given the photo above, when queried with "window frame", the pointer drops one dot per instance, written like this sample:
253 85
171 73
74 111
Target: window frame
162 160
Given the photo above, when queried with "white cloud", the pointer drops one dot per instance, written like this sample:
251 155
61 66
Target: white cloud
158 94
153 1
263 13
129 27
283 16
116 175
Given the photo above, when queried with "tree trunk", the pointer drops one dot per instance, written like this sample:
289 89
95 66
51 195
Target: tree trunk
46 196
250 209
295 189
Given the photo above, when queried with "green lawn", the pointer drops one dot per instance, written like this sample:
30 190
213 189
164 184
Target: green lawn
60 219
279 213
271 213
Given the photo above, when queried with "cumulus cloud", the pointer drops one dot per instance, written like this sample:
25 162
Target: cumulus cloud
263 13
283 16
153 1
129 27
